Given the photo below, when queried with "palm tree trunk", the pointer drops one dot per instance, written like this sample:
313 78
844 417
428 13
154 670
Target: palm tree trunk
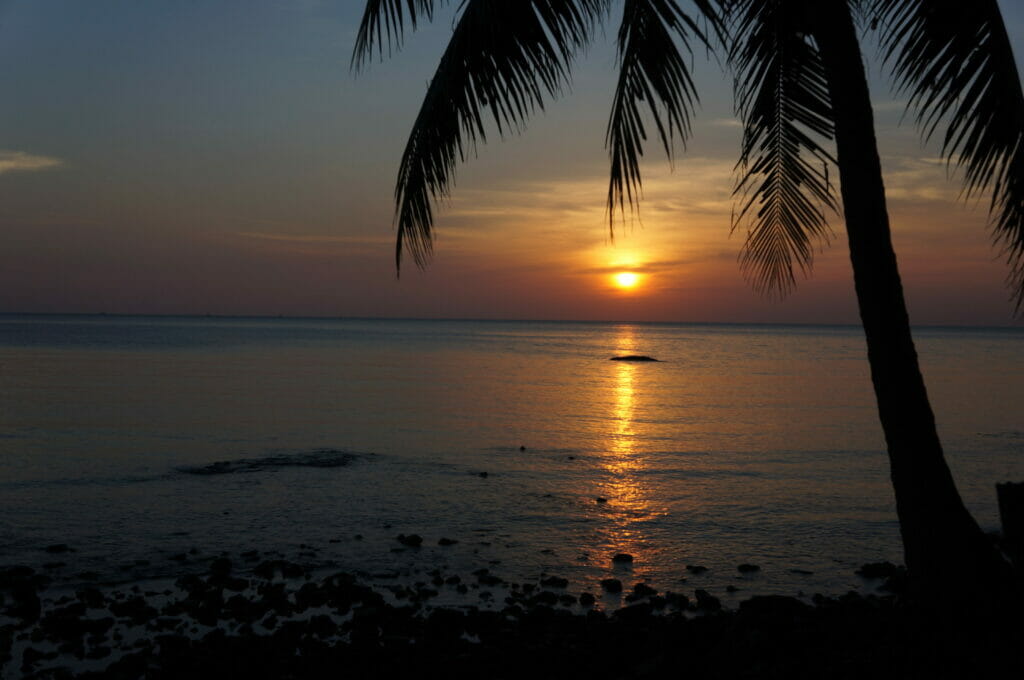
938 531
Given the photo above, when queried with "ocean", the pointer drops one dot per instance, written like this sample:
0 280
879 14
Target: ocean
148 444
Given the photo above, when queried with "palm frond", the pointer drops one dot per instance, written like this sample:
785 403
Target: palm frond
783 100
503 56
652 69
955 61
383 24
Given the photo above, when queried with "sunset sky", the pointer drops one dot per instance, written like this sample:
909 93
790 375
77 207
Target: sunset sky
215 157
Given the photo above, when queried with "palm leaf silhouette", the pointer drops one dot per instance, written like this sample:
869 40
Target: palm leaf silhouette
652 69
782 97
954 60
383 24
504 58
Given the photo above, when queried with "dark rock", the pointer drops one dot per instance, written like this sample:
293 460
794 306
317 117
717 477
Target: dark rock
611 585
601 500
412 540
554 582
447 541
135 609
92 598
545 598
58 548
696 568
731 589
748 568
677 600
623 558
634 357
587 599
634 613
31 656
643 590
220 568
483 474
801 572
877 570
775 607
707 601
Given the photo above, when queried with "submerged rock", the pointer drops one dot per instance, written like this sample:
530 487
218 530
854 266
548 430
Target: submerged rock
634 357
412 540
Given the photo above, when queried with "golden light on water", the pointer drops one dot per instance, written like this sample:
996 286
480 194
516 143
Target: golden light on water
626 280
629 505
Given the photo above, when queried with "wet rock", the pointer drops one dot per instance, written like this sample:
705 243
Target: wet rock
801 572
748 568
484 475
220 568
289 570
707 601
731 589
135 609
677 600
611 585
98 652
601 500
775 607
634 357
58 548
696 569
545 598
622 558
587 599
877 570
554 582
446 541
641 590
636 613
32 656
54 565
411 541
91 597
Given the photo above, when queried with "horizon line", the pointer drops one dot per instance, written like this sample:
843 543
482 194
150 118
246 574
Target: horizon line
294 317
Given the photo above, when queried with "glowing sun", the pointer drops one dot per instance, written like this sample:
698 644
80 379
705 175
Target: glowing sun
626 280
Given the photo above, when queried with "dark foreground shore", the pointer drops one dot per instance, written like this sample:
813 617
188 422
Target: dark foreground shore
275 619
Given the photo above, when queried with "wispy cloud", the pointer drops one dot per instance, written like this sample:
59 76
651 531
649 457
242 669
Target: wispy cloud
19 161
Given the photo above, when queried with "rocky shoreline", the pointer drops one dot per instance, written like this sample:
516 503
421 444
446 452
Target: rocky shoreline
249 617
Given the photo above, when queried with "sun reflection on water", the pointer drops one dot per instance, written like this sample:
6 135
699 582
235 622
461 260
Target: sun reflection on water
629 503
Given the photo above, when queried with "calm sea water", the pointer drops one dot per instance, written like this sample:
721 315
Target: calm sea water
746 444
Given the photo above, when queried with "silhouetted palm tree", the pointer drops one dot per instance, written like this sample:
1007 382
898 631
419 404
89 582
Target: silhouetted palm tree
801 87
